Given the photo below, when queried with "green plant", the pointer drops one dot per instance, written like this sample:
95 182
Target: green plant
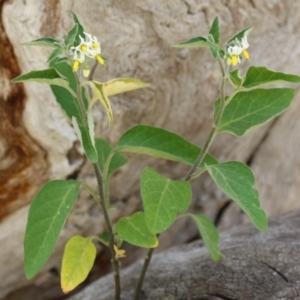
249 106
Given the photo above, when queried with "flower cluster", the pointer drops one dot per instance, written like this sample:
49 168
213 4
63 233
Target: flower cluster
88 47
235 51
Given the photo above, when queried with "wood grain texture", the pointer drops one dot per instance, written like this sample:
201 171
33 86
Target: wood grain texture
37 143
257 266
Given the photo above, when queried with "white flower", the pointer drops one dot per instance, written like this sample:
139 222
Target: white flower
234 52
88 47
234 55
245 45
244 42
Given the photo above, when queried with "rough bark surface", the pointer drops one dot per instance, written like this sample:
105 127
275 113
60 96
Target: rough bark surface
257 266
37 143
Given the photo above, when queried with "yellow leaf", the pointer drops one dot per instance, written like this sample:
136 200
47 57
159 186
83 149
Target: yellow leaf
78 260
122 85
99 94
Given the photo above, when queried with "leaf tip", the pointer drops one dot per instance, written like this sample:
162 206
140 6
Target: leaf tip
264 227
66 288
28 275
218 257
155 244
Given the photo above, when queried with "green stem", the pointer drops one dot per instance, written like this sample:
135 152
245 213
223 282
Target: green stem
212 133
106 175
106 192
191 172
114 261
102 241
222 67
143 273
81 104
103 201
92 192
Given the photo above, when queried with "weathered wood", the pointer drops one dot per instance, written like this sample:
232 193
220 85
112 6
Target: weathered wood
37 143
257 266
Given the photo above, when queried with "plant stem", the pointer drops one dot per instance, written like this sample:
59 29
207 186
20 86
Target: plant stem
143 273
81 104
91 191
114 261
103 203
191 172
213 131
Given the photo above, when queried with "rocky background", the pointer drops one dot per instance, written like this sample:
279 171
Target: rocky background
37 144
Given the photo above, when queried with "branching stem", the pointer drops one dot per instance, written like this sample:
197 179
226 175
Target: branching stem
213 131
192 172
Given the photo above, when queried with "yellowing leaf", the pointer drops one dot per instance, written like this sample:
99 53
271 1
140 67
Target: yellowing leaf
100 94
122 85
78 260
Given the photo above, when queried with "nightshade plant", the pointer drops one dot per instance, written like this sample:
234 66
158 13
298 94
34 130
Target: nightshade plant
249 106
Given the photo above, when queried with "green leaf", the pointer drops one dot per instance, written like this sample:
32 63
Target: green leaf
133 230
162 198
80 29
235 78
78 260
72 34
209 234
103 151
258 76
236 180
55 54
46 218
251 109
240 34
90 121
122 85
65 99
84 134
70 106
63 68
105 236
49 76
214 51
161 143
47 42
215 30
194 42
60 60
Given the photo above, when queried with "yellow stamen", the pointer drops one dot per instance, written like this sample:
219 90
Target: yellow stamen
100 59
76 65
83 48
95 45
119 252
246 54
234 60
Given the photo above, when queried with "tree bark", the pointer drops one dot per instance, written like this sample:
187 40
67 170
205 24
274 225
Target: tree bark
37 144
257 265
